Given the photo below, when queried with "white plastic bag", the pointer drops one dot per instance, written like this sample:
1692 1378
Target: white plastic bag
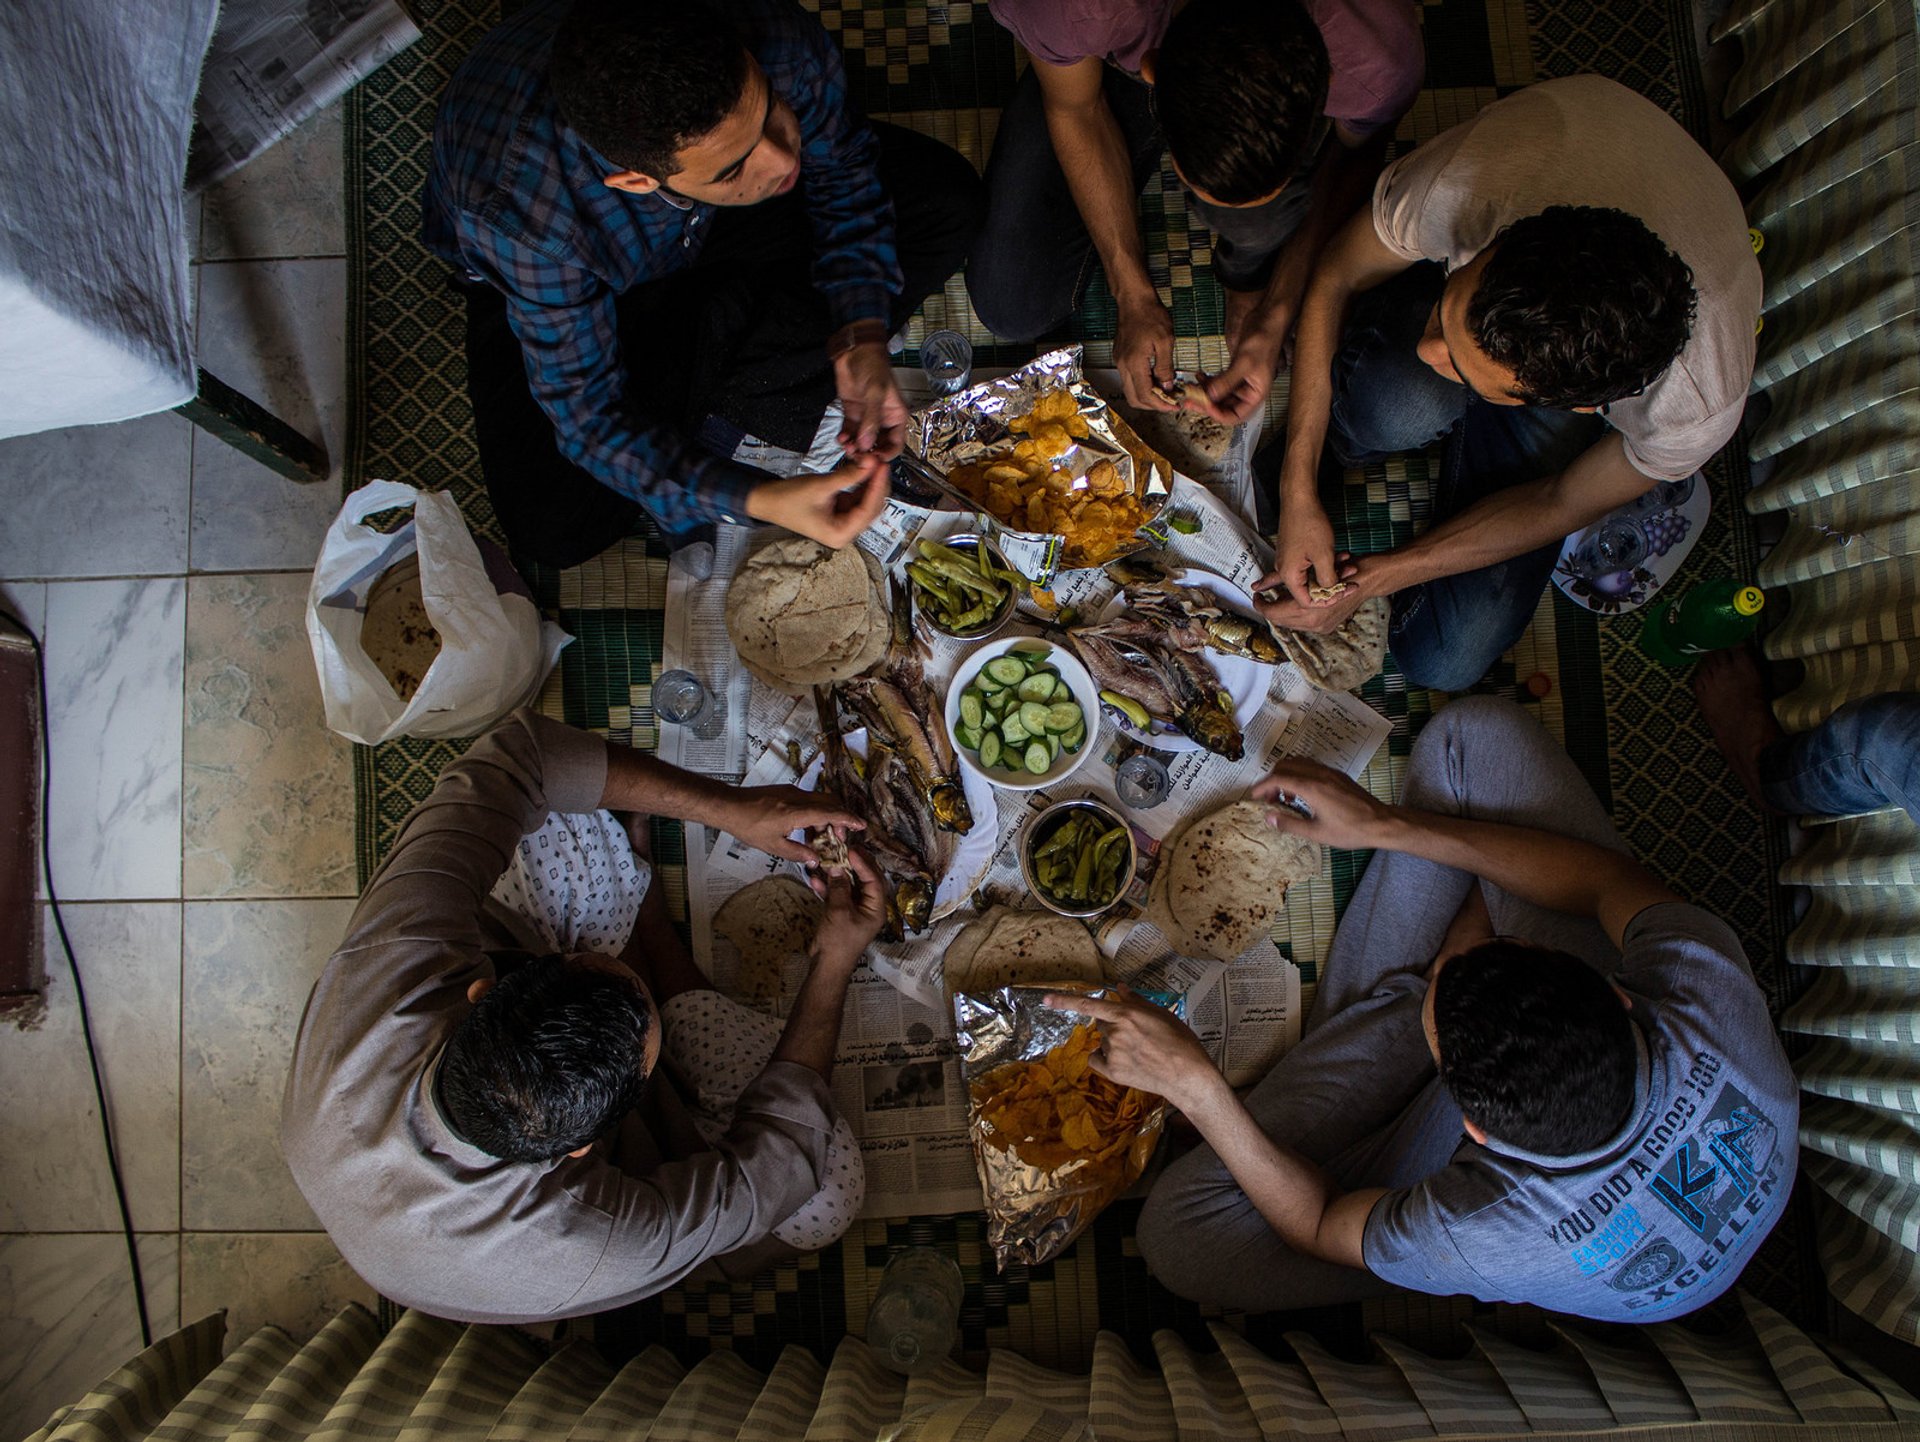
495 650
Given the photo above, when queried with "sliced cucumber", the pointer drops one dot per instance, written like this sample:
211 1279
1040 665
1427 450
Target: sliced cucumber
1013 731
1033 716
1061 717
967 736
985 683
999 702
1038 757
990 749
1038 687
972 709
1006 670
1053 749
1076 738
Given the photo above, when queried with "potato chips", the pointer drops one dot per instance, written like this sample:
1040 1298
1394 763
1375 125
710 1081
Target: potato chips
1036 487
1055 1141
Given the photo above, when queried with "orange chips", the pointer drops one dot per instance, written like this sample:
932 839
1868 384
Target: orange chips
1056 1109
1096 512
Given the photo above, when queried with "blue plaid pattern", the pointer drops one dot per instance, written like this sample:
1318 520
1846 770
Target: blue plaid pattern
515 197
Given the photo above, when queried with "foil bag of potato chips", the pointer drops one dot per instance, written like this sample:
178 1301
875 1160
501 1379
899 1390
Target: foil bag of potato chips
1089 489
1054 1141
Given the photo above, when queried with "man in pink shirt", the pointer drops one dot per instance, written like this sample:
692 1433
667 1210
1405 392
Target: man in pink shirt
1276 114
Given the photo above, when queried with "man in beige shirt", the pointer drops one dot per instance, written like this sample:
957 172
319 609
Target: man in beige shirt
476 1109
1563 288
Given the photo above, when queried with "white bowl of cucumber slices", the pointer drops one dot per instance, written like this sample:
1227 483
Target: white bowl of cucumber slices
1023 712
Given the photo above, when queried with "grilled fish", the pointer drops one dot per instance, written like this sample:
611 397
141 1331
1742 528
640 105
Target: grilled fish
1193 618
895 703
1135 657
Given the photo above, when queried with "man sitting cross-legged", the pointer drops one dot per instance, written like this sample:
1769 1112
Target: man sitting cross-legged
1532 1073
673 226
514 1098
1563 287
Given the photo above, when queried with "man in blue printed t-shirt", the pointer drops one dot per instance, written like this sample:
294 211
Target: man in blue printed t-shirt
1532 1072
674 228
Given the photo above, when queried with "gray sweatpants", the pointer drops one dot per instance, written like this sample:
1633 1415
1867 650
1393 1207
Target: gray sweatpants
1359 1094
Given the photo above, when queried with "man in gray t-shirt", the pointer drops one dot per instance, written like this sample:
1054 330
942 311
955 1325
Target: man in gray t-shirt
1532 1073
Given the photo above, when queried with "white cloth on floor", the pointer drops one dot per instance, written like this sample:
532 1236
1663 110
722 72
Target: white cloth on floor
577 883
714 1046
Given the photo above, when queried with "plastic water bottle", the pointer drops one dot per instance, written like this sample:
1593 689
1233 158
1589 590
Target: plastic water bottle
915 1317
1710 617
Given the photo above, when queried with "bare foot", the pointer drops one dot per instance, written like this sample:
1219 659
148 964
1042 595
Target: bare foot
1733 700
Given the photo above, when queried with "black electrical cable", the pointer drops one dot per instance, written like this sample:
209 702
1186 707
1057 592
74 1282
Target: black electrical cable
79 990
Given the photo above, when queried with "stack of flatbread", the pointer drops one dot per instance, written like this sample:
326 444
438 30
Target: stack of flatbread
397 634
767 922
1221 881
1021 948
1346 657
801 615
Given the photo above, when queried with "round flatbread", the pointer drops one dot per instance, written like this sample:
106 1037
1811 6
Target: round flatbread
766 922
1021 948
1222 880
397 634
1347 657
802 615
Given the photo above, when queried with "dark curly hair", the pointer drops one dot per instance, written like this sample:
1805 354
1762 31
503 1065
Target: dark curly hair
548 1059
639 80
1534 1046
1239 86
1584 305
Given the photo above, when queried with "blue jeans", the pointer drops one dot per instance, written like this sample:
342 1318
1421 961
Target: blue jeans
1033 257
1446 633
1864 757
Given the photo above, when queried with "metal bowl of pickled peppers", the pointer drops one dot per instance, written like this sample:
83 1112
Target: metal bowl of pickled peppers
1078 857
963 586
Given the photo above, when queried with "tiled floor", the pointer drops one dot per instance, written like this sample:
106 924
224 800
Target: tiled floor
201 821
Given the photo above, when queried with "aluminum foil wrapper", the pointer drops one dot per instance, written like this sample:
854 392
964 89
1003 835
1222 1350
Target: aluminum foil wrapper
1033 1213
972 424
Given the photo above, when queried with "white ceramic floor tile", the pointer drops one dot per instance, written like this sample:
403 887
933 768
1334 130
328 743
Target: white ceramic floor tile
116 659
286 202
70 1318
96 500
54 1177
294 1280
275 330
268 802
248 968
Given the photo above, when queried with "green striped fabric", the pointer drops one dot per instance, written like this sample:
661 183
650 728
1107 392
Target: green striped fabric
1208 1401
1374 1401
1830 155
1554 1390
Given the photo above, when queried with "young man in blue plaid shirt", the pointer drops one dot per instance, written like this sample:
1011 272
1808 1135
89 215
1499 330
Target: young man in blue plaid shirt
672 228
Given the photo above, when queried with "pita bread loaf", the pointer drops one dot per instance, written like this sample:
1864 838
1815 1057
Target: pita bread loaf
766 922
1196 444
396 633
1021 948
1348 656
801 615
1222 880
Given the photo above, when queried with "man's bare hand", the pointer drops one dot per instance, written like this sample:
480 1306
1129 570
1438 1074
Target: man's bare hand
1337 811
874 415
1238 392
856 910
1143 354
1144 1046
764 817
1303 554
833 509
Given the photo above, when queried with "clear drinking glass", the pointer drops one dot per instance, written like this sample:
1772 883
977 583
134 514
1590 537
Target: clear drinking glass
1141 781
947 358
680 698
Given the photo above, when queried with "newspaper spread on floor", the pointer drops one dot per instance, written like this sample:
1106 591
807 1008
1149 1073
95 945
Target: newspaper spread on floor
896 1077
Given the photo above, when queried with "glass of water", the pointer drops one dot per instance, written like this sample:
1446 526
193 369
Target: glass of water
680 698
1142 781
947 358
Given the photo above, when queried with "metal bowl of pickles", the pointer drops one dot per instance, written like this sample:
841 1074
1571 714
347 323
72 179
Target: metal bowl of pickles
963 586
1078 857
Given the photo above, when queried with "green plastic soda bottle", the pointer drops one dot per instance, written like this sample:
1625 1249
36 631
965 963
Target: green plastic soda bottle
1710 617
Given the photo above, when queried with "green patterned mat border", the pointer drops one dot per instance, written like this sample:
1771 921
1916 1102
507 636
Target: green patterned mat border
946 69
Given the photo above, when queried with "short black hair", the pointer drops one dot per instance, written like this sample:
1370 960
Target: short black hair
639 80
1239 86
1534 1046
1585 305
552 1056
